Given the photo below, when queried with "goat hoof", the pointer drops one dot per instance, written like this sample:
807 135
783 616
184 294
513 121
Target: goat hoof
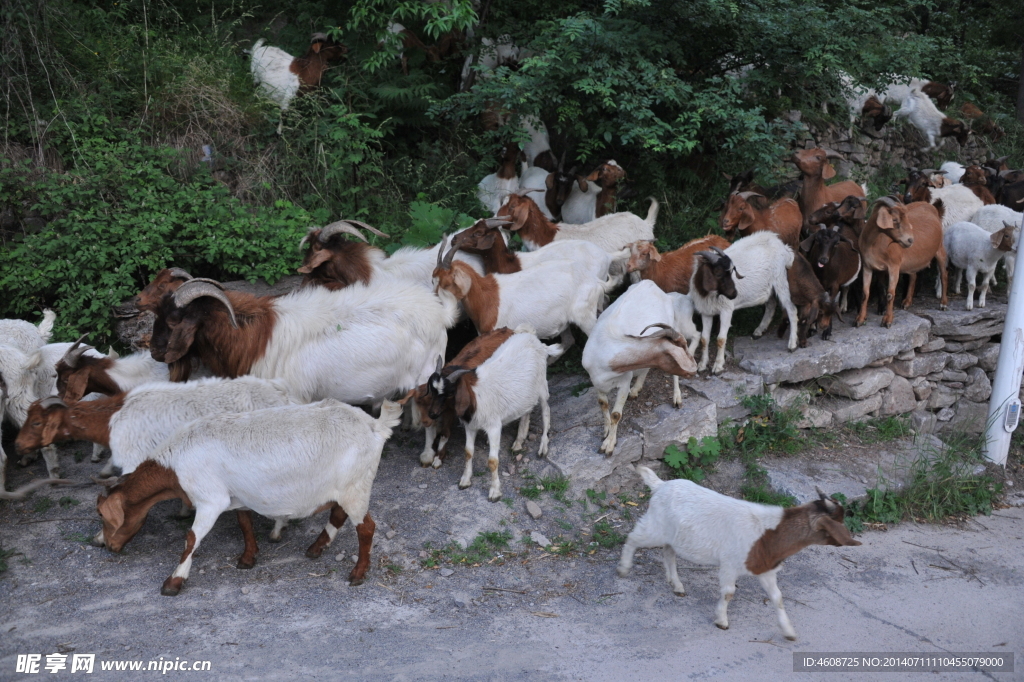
721 627
245 565
273 539
623 572
312 553
436 463
791 638
463 486
683 594
171 587
494 498
355 582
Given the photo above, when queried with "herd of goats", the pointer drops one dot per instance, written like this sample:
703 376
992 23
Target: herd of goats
302 390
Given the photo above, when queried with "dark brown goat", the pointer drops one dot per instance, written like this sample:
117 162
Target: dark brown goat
977 179
940 92
874 108
834 259
311 66
813 304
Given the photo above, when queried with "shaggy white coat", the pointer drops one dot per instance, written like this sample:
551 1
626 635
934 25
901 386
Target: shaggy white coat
137 369
643 304
270 67
970 248
581 207
959 203
612 232
282 462
991 218
25 335
762 259
509 384
919 109
954 171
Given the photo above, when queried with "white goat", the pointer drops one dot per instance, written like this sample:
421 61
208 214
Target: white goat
959 203
741 538
533 182
495 188
953 171
750 272
580 206
973 249
506 387
25 335
922 113
619 349
992 218
539 144
612 232
283 462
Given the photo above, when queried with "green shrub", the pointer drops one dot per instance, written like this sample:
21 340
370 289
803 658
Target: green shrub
692 461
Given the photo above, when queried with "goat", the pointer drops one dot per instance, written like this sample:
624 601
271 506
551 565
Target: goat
744 182
281 77
749 212
815 307
360 344
484 239
282 462
26 336
814 165
848 215
992 219
746 274
901 239
977 179
439 428
958 202
952 170
974 249
918 108
79 374
612 232
740 537
860 100
538 150
334 262
505 387
670 271
618 350
595 195
547 297
874 108
835 261
493 53
495 188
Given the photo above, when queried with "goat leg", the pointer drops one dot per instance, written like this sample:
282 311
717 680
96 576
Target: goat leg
248 556
327 535
364 531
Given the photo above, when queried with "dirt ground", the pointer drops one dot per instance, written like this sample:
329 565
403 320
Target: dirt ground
506 608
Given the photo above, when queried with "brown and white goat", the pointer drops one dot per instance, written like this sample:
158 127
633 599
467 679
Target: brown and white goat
282 77
880 112
749 212
740 537
495 188
671 271
816 169
334 262
977 179
899 239
436 409
585 202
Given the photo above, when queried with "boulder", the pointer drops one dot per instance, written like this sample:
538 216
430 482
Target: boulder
980 388
953 375
665 425
857 384
849 348
988 356
961 361
923 422
969 417
960 324
727 391
942 396
845 410
938 343
921 365
814 418
898 398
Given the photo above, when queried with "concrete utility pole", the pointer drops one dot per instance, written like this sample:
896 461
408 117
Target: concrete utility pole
1004 408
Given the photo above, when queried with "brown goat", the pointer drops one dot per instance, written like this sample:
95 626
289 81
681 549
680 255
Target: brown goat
814 306
607 176
51 420
747 212
484 239
79 374
848 214
333 262
940 92
977 179
670 271
166 281
437 412
311 66
816 169
901 239
833 257
881 113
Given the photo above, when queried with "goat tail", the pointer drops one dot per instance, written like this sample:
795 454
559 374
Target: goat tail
390 416
940 207
613 281
46 326
557 350
652 212
650 478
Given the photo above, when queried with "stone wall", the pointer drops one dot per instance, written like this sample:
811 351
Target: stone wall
865 151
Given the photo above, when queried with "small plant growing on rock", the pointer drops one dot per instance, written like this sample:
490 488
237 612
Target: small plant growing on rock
691 463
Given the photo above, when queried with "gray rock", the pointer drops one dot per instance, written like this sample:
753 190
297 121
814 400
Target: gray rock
953 347
988 356
942 396
533 509
727 391
898 398
980 389
923 422
665 425
814 417
945 414
921 365
845 410
788 397
539 538
959 324
922 388
955 385
881 362
969 417
975 344
953 375
849 348
390 535
906 355
446 572
961 361
857 384
938 343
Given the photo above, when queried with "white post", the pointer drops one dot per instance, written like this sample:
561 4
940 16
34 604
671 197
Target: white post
1006 385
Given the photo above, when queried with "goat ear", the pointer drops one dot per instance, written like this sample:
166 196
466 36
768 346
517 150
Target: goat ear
316 47
828 172
316 259
463 282
519 216
465 401
746 218
838 531
50 428
582 182
708 280
806 244
996 239
76 385
111 508
654 255
486 241
549 181
884 219
182 337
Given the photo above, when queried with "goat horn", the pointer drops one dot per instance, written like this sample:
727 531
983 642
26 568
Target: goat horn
829 154
718 251
191 290
497 222
22 492
440 250
1002 158
457 374
338 228
929 171
821 493
74 353
666 332
746 195
447 262
440 365
891 202
713 257
989 170
561 161
178 272
52 401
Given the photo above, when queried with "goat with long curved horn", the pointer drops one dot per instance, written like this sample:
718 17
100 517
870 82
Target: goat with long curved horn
74 354
193 289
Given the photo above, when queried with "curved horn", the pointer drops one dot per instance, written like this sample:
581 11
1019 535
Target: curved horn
366 226
830 154
457 374
440 249
666 332
929 171
497 222
447 262
713 257
338 228
191 290
746 195
440 365
208 281
52 401
178 272
719 251
891 202
74 353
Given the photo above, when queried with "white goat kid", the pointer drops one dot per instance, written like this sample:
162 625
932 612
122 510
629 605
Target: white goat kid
973 249
993 218
750 272
620 348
